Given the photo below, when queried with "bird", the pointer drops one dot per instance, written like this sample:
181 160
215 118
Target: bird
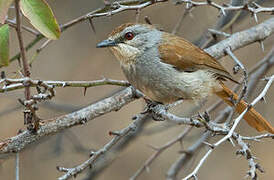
167 68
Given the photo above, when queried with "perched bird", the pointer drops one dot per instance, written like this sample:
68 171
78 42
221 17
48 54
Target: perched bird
167 68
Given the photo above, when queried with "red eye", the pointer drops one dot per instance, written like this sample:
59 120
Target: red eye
129 35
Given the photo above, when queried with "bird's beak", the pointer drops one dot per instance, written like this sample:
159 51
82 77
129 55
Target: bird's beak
106 43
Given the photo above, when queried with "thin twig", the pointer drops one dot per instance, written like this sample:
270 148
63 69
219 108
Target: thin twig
158 151
253 8
26 69
17 166
119 135
13 23
14 84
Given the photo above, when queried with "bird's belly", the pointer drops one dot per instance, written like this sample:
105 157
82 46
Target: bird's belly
169 85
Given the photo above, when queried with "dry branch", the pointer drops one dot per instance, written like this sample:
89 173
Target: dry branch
235 41
52 126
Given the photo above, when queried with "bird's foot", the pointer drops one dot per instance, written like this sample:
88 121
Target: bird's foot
153 107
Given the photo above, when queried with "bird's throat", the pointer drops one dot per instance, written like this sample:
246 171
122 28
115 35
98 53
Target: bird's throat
125 54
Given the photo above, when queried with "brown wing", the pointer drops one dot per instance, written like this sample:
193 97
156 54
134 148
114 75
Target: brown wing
186 56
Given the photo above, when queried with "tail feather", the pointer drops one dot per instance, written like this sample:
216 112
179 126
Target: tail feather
252 117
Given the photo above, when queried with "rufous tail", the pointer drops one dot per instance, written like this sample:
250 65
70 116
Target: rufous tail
252 117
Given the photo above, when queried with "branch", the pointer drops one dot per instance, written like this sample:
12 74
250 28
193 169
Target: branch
246 152
107 10
253 8
118 136
231 131
52 126
159 150
243 38
235 41
14 84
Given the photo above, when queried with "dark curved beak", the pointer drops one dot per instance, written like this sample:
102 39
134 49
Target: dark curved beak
106 43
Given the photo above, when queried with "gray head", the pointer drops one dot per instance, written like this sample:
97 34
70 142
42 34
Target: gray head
129 40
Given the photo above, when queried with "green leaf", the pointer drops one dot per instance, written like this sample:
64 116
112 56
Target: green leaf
4 45
41 17
4 7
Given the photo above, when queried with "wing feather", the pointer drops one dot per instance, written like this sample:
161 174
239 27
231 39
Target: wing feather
186 56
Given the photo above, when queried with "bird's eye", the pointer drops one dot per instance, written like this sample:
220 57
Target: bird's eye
129 35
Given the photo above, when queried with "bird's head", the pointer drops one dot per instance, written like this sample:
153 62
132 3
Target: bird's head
130 40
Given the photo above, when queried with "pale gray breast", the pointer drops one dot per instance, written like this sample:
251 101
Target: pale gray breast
156 80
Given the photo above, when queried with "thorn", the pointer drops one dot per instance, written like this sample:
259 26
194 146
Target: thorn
21 101
138 12
38 89
232 142
3 75
20 131
147 20
206 116
85 91
92 25
236 69
263 99
111 133
240 152
91 153
147 169
188 5
223 11
260 168
262 45
212 146
255 17
83 121
64 84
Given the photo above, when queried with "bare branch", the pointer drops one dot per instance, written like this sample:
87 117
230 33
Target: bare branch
13 24
14 84
55 125
231 131
252 8
158 151
108 10
243 38
118 136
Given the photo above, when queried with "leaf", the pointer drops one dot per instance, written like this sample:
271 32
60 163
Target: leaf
4 7
4 45
41 17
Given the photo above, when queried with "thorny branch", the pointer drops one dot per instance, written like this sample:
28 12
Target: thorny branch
108 10
118 135
117 101
126 5
52 126
55 125
258 70
159 150
253 7
231 131
14 84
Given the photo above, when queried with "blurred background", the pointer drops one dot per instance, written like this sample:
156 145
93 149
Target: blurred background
74 57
